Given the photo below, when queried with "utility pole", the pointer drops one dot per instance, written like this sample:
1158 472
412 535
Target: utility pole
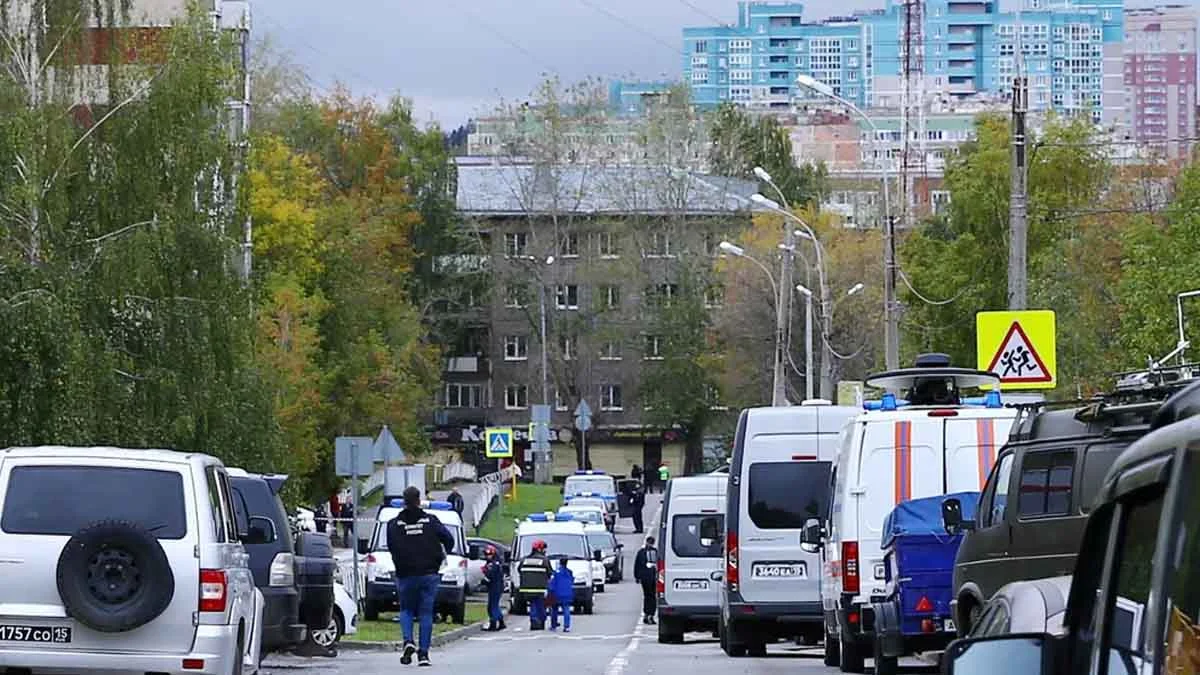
1018 224
782 305
891 318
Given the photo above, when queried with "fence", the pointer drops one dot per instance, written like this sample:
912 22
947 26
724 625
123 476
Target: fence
493 485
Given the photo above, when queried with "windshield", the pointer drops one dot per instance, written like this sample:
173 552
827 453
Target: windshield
601 485
585 515
560 544
601 542
381 538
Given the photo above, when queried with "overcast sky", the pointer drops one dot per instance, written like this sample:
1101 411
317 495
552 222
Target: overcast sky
456 58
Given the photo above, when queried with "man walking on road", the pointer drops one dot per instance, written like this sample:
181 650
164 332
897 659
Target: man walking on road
456 500
418 542
645 571
638 501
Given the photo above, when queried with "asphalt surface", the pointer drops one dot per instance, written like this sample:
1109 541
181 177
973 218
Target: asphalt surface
612 641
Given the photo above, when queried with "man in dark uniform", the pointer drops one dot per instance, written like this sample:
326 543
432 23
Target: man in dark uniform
418 542
456 501
645 572
534 573
637 500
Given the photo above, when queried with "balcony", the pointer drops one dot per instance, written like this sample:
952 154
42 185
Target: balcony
467 365
959 37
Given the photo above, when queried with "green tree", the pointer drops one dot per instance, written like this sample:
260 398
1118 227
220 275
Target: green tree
741 142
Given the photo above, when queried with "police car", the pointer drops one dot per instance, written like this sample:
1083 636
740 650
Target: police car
593 484
592 518
565 537
381 585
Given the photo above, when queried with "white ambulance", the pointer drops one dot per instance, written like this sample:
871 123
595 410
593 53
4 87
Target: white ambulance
935 442
566 538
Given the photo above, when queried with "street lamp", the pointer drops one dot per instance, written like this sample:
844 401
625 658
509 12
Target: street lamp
891 327
778 390
808 337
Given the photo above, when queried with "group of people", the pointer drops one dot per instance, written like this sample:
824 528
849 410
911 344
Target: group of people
663 473
544 586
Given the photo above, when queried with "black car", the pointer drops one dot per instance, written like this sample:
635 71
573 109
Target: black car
610 550
294 575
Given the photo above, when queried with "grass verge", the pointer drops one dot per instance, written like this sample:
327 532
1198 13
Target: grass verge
530 499
387 630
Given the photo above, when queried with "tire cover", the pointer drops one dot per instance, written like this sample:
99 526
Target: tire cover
113 576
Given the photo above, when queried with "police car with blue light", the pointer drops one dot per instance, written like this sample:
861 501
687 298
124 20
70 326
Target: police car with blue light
565 537
592 518
381 583
590 483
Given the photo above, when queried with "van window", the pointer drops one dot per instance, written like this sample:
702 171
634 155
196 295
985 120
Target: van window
1046 479
1134 569
1183 584
998 500
1097 460
61 500
698 536
214 500
785 494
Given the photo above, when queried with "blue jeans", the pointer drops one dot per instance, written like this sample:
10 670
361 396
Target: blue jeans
537 609
565 608
494 612
416 595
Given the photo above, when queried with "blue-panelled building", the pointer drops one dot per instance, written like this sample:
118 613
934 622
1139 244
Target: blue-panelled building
1072 54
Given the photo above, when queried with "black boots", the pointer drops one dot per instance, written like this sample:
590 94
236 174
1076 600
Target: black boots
493 626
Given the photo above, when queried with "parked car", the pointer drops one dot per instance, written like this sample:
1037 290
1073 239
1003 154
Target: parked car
1140 550
610 551
565 539
298 589
343 621
926 437
159 528
1052 466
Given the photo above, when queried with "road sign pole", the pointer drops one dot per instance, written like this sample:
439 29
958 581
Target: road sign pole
354 523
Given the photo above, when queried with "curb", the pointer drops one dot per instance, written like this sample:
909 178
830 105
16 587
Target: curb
439 640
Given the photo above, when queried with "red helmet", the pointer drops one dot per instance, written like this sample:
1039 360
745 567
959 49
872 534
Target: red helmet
539 545
490 552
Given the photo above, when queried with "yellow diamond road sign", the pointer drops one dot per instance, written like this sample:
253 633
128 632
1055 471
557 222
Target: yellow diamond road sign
1019 347
498 442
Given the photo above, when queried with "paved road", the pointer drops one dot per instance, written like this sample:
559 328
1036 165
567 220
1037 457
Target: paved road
610 642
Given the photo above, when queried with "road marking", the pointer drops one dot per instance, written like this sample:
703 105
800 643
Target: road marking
553 636
621 660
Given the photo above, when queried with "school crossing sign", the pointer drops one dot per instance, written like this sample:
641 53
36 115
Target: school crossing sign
1019 347
498 442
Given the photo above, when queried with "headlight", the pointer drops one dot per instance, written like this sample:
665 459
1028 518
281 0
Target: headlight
610 560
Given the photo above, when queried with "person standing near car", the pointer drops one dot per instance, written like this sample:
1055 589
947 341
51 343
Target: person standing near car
456 500
418 543
664 475
493 575
645 571
534 573
637 500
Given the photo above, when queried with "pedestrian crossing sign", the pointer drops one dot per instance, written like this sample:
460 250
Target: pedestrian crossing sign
1019 347
498 442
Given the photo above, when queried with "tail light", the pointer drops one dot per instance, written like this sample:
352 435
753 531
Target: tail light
283 570
371 559
463 563
213 586
850 579
924 605
660 581
943 413
731 560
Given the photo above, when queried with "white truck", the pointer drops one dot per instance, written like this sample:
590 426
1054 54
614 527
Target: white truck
565 538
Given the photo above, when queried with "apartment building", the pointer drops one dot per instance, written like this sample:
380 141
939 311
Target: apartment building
589 250
1160 78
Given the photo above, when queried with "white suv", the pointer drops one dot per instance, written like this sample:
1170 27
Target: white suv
123 560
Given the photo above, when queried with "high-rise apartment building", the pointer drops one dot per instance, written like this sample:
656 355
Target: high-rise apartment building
1160 77
1071 53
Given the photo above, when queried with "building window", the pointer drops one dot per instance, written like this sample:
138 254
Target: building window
516 397
464 395
610 351
516 296
660 245
610 397
701 46
653 350
566 296
699 77
661 295
714 296
611 296
851 44
516 244
566 345
568 244
607 245
560 404
516 348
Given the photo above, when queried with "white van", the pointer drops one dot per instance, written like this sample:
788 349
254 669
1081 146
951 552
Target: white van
778 479
691 540
932 444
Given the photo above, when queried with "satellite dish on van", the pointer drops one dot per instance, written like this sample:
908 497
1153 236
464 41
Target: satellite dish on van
933 381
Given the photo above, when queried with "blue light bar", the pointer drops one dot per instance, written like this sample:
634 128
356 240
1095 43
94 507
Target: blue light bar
589 472
991 400
432 506
548 517
888 402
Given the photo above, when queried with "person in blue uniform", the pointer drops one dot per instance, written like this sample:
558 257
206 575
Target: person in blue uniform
562 595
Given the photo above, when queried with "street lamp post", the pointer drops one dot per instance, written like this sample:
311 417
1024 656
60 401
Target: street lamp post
778 384
891 327
784 314
808 341
826 313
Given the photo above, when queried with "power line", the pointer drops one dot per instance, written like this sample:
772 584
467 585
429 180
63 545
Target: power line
504 38
633 26
703 13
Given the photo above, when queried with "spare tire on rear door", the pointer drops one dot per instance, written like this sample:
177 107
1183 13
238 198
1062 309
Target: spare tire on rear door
113 576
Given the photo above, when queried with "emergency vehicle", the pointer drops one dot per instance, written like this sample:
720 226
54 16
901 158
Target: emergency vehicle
565 537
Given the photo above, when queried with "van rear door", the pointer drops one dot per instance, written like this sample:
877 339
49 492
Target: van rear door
695 542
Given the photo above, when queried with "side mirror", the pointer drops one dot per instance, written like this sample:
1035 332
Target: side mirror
260 531
598 555
1020 653
952 518
620 546
364 547
811 535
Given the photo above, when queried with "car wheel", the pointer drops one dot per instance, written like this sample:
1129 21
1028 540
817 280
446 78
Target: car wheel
729 642
852 657
884 665
833 655
239 659
370 611
669 632
757 650
113 576
588 607
330 635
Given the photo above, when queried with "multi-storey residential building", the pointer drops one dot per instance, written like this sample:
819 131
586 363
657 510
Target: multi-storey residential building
1160 77
1071 53
590 248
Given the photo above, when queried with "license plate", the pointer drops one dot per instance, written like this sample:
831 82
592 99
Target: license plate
51 634
691 585
779 571
950 625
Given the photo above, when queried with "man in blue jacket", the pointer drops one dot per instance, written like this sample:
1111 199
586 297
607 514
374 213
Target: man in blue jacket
561 596
493 575
418 542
